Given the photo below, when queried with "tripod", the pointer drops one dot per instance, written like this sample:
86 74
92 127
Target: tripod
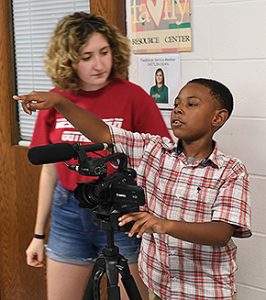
111 263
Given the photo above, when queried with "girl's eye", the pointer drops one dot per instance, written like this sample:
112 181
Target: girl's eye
103 53
86 58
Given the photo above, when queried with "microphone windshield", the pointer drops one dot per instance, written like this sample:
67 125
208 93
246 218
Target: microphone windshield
51 153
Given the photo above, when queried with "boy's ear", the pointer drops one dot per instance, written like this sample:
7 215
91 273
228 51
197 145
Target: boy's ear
220 117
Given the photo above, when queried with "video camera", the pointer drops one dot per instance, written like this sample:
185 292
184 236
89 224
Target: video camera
108 196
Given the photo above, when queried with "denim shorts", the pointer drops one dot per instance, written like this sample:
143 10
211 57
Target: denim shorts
74 238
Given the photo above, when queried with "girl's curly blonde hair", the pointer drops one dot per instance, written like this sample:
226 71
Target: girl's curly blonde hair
73 32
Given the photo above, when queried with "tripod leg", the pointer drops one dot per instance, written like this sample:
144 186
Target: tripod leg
113 289
92 291
128 280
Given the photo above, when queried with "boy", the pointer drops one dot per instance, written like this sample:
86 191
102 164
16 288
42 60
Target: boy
196 197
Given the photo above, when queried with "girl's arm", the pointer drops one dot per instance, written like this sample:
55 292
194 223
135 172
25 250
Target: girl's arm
48 179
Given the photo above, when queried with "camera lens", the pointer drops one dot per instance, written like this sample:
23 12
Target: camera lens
85 193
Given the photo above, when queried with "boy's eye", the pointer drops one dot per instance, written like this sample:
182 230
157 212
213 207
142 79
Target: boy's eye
192 104
188 104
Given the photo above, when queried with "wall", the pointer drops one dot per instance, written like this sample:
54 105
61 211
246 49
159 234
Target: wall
229 45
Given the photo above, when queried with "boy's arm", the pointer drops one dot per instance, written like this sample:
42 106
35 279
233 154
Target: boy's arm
209 233
87 123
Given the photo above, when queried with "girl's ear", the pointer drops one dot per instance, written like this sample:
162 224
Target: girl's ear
220 117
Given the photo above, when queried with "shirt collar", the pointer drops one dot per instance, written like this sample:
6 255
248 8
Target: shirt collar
212 159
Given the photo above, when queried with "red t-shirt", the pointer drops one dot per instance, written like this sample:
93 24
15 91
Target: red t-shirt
120 103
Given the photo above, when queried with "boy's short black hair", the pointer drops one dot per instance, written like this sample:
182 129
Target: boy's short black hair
219 91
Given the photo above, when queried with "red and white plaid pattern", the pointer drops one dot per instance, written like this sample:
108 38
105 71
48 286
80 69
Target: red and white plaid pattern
215 189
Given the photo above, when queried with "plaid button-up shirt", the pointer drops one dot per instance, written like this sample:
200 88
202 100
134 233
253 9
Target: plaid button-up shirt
214 189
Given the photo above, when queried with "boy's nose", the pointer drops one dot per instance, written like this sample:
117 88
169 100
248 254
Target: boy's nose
178 109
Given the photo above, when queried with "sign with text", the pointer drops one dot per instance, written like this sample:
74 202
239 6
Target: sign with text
159 26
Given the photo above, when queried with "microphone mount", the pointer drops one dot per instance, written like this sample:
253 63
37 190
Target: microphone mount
94 166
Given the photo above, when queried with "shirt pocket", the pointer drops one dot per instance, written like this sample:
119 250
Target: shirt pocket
192 203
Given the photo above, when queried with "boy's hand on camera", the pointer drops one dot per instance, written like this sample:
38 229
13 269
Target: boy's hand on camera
144 222
38 101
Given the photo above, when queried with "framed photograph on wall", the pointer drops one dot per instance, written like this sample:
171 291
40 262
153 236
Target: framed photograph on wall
160 76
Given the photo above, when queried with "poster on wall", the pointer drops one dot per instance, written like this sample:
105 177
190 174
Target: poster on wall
156 26
160 76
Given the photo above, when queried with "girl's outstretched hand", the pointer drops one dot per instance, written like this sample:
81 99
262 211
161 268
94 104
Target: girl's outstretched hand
38 101
144 222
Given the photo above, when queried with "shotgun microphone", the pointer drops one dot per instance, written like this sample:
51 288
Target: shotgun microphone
61 152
